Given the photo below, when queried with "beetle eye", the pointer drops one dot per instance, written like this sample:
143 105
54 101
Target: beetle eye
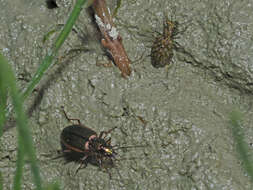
107 150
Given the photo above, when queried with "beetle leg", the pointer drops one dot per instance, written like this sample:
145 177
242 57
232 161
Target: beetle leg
108 141
106 132
109 173
100 163
59 156
83 164
70 119
101 166
66 151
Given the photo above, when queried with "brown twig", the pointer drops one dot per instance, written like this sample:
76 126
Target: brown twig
111 38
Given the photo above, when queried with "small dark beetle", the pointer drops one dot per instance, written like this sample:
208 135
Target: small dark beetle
82 144
164 44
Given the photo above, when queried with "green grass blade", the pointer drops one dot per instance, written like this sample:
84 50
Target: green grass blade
3 99
47 62
7 79
26 142
20 164
38 75
51 32
1 181
69 25
242 148
117 8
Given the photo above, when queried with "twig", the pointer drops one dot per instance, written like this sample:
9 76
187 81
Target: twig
111 38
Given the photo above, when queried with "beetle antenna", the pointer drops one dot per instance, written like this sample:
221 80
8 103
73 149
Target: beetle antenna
70 119
131 146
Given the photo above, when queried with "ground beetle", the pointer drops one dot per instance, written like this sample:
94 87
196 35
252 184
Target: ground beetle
82 144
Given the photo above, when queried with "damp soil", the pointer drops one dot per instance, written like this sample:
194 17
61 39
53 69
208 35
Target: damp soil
180 112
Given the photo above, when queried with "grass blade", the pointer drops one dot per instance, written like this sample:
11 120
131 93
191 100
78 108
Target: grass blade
25 139
242 148
20 164
3 99
47 62
7 79
1 181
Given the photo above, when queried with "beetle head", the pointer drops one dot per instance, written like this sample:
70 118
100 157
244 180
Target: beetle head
101 146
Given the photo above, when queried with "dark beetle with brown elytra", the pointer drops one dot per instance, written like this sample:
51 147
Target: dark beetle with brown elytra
82 144
162 48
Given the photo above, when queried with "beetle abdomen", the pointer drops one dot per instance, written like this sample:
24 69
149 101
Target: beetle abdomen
161 52
162 48
74 137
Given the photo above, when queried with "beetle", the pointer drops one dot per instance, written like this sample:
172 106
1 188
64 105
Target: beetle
162 50
82 144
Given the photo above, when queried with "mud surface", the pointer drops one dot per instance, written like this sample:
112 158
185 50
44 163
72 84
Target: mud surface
179 112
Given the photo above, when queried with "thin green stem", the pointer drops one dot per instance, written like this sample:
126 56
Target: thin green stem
1 181
8 86
117 8
3 99
242 147
20 164
48 60
25 139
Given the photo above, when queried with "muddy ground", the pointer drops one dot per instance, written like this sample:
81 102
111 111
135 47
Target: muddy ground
180 112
